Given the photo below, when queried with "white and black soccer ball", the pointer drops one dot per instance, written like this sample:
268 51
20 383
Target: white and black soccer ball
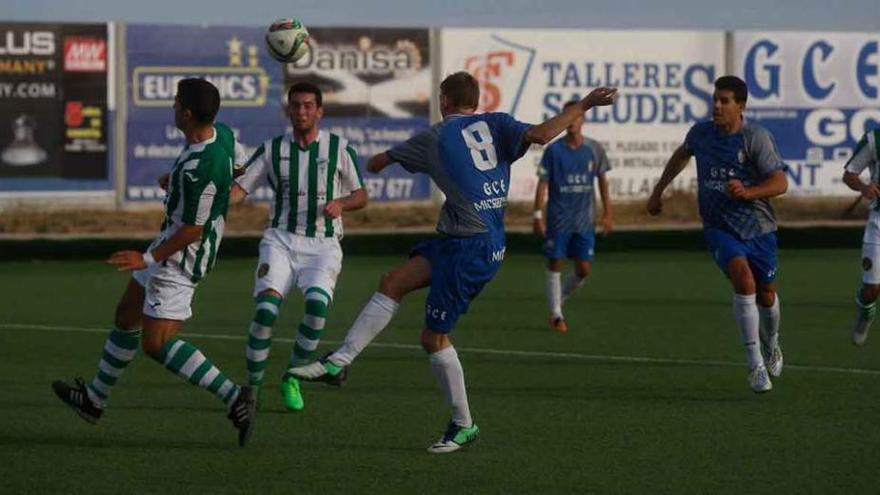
287 40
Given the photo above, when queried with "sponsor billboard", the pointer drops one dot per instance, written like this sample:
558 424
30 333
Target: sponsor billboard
817 93
665 80
54 108
375 84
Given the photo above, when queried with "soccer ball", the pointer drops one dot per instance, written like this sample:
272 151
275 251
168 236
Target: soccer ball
287 40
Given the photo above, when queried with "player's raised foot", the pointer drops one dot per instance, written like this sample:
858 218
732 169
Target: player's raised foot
759 379
456 437
290 393
78 398
774 362
557 323
242 413
323 370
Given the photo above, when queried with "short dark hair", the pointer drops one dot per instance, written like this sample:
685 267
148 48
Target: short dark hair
734 84
306 87
462 90
200 97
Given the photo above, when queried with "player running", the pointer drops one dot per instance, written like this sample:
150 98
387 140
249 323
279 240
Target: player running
165 276
867 155
567 171
738 171
315 178
468 156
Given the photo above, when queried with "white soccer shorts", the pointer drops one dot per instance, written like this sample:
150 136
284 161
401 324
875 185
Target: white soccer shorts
288 260
168 292
871 250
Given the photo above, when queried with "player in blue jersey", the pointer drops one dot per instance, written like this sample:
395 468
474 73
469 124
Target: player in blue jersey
567 171
738 171
468 156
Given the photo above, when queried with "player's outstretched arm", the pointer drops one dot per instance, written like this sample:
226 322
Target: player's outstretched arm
772 185
869 191
377 163
677 162
133 260
545 132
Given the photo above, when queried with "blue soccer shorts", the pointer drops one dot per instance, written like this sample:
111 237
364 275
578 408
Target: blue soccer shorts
577 245
759 251
460 268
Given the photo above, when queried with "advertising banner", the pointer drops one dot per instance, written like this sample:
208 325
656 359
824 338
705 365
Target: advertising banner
665 81
817 93
375 84
54 109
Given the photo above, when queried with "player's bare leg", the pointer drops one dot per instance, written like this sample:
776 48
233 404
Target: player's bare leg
120 348
446 366
554 295
745 312
768 310
866 301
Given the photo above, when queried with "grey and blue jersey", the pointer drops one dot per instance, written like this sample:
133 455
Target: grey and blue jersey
469 158
570 175
749 155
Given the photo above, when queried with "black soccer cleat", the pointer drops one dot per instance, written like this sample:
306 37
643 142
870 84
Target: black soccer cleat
336 379
78 398
242 413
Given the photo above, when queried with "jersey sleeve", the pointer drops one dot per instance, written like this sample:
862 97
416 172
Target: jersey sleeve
241 155
513 144
689 139
546 164
349 172
412 154
863 156
602 164
199 191
256 170
764 153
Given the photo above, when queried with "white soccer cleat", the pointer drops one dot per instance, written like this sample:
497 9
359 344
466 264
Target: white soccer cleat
759 379
860 332
774 362
310 372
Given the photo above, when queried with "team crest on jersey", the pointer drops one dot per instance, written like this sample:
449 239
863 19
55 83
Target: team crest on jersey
263 270
867 264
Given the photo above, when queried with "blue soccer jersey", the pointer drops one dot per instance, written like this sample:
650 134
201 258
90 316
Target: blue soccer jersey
570 175
749 156
469 158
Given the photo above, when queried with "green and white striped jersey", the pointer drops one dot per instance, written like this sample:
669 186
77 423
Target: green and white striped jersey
867 155
304 180
198 194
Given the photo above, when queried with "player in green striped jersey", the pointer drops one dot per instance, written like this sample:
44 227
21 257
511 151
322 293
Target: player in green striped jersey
165 277
314 177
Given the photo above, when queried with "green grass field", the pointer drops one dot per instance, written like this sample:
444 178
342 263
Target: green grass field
647 392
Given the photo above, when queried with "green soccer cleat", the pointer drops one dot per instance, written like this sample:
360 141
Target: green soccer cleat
456 437
293 399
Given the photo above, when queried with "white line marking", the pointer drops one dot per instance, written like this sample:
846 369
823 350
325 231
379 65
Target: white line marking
474 350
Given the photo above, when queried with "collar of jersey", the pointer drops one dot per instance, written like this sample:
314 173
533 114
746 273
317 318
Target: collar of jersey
196 147
292 139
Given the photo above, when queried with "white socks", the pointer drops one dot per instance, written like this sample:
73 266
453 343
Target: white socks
450 378
571 283
745 312
554 293
770 324
370 322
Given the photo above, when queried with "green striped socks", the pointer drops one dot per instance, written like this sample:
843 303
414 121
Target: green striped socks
187 361
119 349
260 337
311 327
